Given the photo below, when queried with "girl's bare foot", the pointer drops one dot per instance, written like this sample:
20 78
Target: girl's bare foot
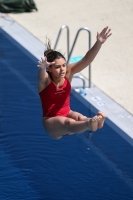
102 117
93 123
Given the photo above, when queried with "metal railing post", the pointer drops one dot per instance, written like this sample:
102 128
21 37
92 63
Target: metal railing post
58 36
69 54
82 78
89 46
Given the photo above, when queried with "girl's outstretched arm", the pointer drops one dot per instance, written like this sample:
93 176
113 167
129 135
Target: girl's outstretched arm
91 54
42 74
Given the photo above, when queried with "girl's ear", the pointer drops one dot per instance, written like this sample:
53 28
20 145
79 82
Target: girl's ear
49 68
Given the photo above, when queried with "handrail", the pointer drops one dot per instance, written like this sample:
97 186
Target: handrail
58 36
80 77
69 54
89 34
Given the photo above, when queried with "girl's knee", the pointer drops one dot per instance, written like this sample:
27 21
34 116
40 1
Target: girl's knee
68 123
82 118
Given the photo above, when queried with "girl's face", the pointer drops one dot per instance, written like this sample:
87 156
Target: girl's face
58 70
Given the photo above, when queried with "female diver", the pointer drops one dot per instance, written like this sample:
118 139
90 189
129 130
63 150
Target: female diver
54 87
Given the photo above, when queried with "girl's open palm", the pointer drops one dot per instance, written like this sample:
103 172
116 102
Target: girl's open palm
105 33
44 63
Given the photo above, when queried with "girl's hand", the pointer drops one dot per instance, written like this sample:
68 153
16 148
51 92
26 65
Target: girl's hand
44 64
102 37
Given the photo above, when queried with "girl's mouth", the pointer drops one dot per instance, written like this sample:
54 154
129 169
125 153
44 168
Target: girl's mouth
62 74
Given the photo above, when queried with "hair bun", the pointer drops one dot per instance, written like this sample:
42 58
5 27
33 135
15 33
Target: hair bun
47 52
51 54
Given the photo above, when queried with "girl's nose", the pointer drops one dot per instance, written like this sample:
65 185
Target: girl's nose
61 68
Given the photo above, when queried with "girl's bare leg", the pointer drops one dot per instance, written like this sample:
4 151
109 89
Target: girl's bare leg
58 126
79 117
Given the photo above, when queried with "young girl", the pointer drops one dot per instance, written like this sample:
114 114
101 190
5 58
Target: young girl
54 89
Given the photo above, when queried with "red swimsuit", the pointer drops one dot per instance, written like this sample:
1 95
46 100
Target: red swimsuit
56 101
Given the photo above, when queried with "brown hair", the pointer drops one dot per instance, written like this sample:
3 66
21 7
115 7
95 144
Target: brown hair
50 54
